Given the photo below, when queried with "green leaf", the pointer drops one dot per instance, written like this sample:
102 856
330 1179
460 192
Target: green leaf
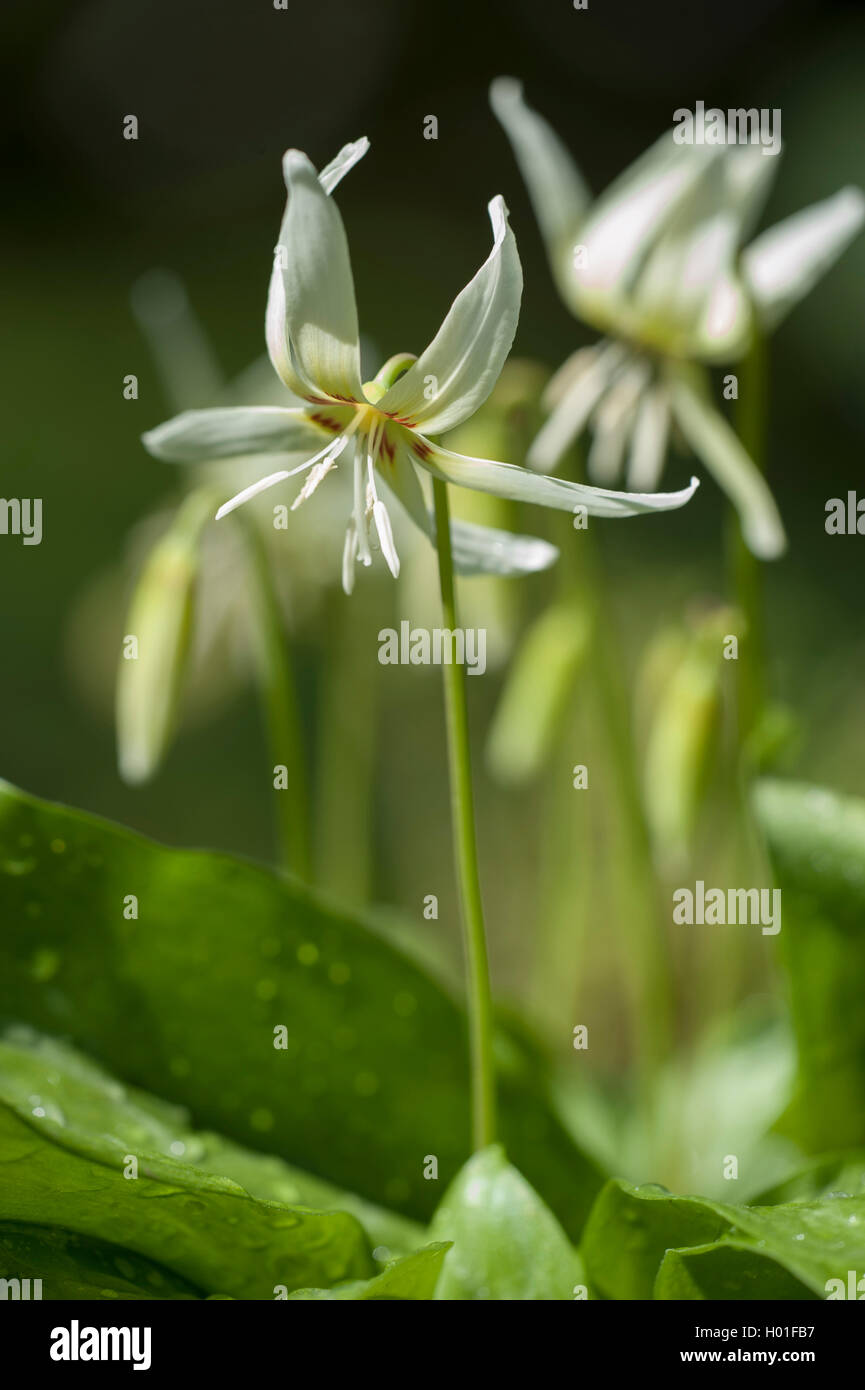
723 1251
790 1251
73 1266
507 1243
30 1064
67 1137
412 1277
817 843
725 1270
630 1229
187 1000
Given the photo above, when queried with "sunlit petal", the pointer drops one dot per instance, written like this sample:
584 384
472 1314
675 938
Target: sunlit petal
734 470
785 262
459 368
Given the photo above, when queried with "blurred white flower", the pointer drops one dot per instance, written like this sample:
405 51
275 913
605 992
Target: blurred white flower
656 265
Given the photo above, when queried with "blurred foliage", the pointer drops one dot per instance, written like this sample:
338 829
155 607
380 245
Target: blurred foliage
817 843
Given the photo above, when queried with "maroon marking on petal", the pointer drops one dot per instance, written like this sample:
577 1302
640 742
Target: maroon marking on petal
388 446
327 422
421 448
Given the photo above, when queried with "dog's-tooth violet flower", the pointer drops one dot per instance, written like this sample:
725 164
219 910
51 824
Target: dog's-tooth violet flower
381 428
656 265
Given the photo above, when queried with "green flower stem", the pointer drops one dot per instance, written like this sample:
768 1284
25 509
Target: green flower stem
465 850
280 707
744 570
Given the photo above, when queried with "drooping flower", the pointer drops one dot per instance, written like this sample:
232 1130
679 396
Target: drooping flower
382 428
656 265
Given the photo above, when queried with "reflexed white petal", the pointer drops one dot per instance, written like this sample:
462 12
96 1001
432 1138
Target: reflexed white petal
521 485
568 419
688 283
785 262
476 549
459 368
649 441
556 187
338 167
311 320
735 472
486 550
625 220
275 336
198 436
748 175
188 370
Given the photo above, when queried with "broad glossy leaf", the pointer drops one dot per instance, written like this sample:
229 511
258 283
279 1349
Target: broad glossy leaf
725 1270
630 1229
507 1243
223 960
723 1249
813 1241
72 1266
72 1083
817 843
412 1277
791 1251
67 1138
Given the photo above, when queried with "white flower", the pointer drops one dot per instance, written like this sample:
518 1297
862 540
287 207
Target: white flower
380 429
655 263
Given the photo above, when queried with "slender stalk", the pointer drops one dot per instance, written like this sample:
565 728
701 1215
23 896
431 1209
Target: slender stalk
465 850
280 707
744 571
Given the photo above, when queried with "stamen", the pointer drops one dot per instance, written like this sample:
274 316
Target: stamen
349 555
360 522
331 450
385 535
318 474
